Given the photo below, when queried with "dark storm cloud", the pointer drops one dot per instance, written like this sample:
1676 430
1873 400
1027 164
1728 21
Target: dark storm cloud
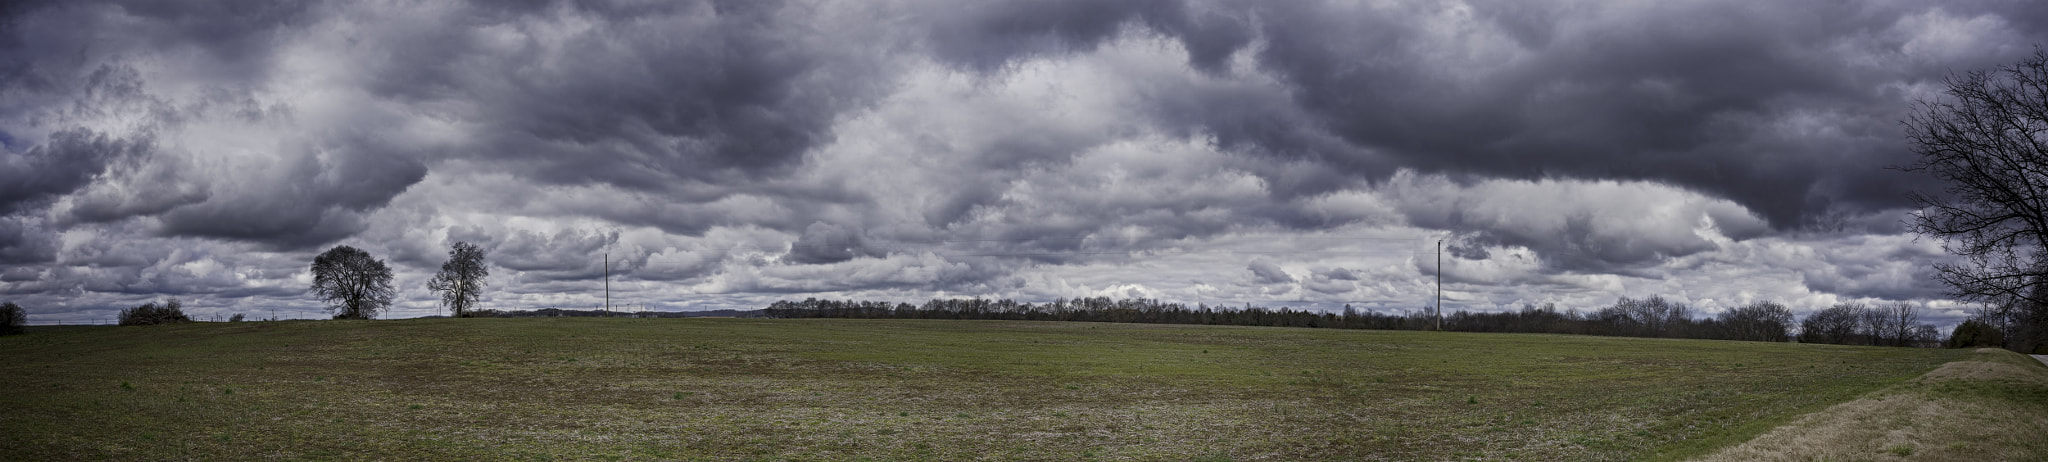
313 197
1695 94
767 147
46 40
647 97
989 35
651 97
830 243
1777 106
64 163
315 194
22 242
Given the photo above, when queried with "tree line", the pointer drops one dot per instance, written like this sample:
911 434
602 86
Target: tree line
2017 323
354 284
1889 325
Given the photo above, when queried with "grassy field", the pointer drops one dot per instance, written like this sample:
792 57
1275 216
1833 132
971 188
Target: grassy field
735 389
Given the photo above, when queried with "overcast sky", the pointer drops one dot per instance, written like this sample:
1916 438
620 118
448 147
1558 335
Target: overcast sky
728 154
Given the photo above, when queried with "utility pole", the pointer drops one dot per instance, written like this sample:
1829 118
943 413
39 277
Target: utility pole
608 281
1439 285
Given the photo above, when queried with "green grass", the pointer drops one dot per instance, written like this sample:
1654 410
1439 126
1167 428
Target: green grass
733 389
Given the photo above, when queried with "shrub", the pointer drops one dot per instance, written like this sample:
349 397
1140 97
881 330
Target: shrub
12 318
152 313
236 318
1974 333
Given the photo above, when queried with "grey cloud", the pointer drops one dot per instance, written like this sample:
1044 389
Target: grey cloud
64 163
132 187
829 243
680 264
1887 268
629 105
568 255
1665 96
1332 281
719 92
229 42
1337 274
312 197
990 35
238 35
1268 273
1759 102
1467 251
24 240
705 144
20 274
1574 225
314 191
123 265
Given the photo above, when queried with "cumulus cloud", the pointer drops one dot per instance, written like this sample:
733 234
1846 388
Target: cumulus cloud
1577 225
64 163
735 152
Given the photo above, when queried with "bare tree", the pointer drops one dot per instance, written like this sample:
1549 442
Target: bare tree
354 284
1988 140
1760 321
1876 328
1900 320
1836 324
2022 323
461 279
1926 336
1649 317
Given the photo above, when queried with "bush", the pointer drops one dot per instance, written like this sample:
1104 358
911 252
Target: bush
236 318
12 318
152 313
1974 333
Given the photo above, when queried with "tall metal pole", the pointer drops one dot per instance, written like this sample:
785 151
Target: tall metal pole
608 281
1439 285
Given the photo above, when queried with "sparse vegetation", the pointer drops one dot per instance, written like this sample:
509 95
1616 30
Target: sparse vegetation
152 313
834 389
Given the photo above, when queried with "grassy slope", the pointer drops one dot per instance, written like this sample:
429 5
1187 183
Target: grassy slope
1990 406
890 390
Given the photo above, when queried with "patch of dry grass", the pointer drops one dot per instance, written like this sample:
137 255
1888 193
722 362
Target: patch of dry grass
1993 406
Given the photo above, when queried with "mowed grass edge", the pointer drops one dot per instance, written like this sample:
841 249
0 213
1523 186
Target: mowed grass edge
736 389
1992 405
